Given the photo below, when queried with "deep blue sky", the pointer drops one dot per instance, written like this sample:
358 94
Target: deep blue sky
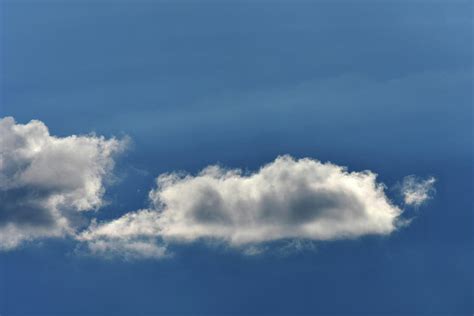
370 85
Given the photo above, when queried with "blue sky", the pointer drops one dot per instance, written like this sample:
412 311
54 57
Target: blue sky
385 87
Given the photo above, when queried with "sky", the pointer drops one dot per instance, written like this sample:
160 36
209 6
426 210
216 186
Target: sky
236 157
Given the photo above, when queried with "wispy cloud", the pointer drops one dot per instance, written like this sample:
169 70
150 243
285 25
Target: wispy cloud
417 191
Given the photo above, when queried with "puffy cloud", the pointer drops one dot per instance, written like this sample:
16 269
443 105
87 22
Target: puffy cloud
286 199
417 191
46 181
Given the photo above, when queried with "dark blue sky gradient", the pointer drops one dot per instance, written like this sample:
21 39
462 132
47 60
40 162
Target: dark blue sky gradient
385 86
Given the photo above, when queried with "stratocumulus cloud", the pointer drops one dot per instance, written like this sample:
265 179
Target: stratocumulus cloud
285 199
46 181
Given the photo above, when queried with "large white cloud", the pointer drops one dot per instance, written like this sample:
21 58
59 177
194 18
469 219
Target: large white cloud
46 181
285 199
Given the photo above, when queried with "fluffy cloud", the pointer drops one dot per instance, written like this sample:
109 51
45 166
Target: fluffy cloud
46 181
417 191
285 199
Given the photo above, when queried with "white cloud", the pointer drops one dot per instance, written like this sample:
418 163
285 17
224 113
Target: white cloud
285 199
417 191
46 181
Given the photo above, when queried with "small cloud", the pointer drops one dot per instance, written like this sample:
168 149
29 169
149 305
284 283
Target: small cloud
253 250
417 191
296 246
128 249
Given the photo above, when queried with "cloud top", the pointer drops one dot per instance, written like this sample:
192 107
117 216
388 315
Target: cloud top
45 181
